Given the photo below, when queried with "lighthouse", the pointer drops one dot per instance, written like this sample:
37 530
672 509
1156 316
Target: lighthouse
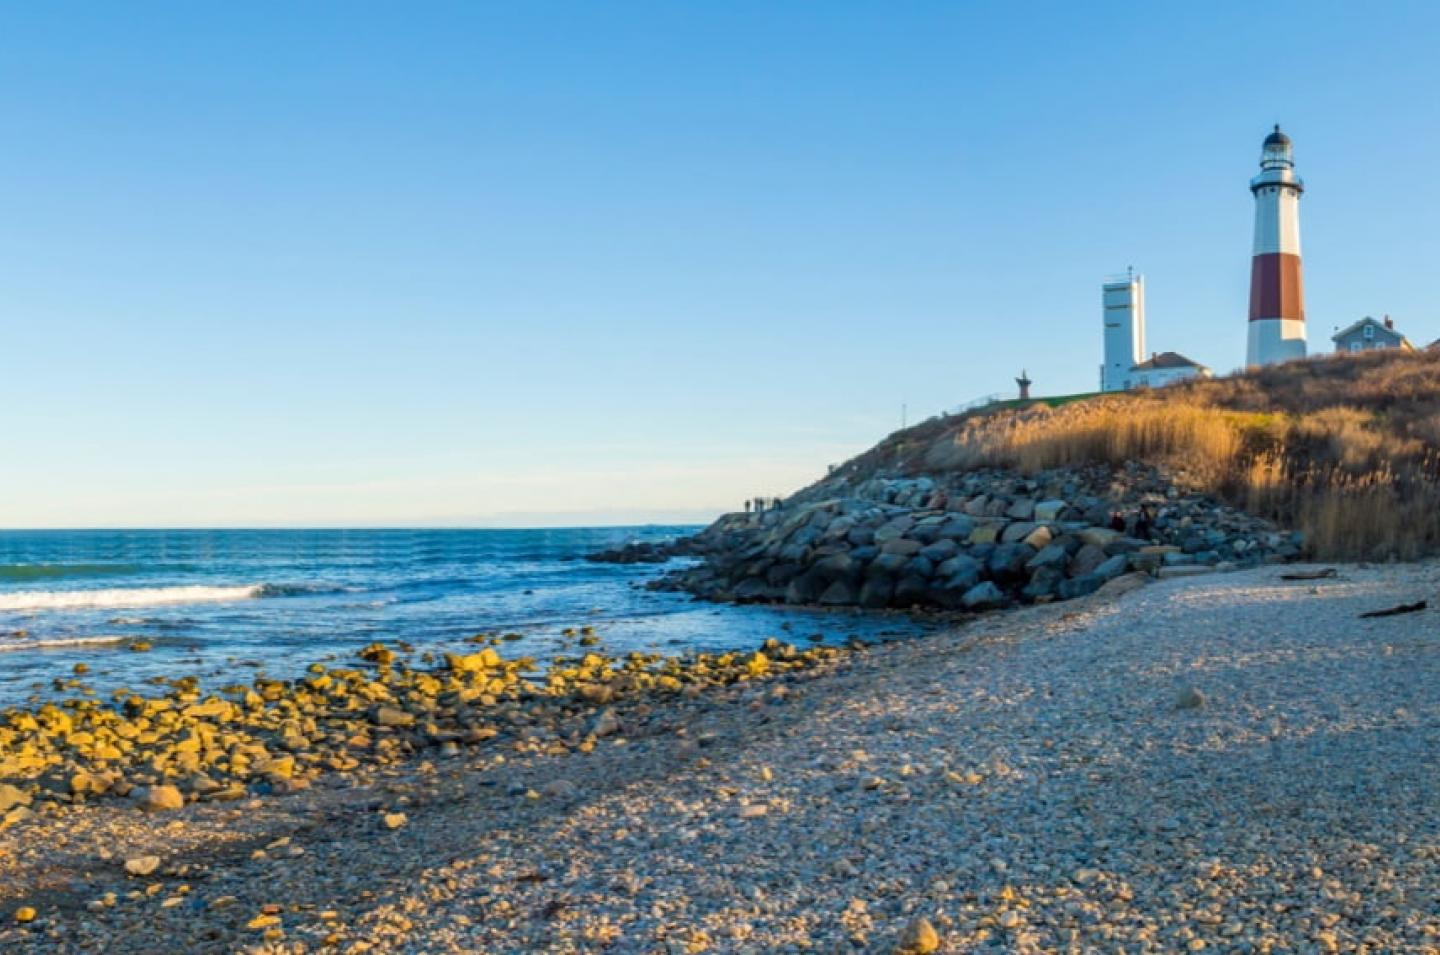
1277 289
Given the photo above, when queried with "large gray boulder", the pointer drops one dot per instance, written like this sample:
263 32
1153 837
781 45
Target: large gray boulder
806 589
1051 556
983 596
940 551
1049 510
1021 509
1044 583
876 592
838 594
902 546
1113 567
912 590
1086 559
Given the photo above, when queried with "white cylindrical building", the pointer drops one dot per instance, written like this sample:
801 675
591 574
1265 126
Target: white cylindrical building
1123 301
1277 288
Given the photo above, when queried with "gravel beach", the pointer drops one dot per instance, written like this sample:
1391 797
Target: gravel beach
1229 762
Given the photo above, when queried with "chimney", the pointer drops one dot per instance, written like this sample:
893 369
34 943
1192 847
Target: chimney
1389 324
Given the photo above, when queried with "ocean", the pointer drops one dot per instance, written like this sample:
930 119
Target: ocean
229 605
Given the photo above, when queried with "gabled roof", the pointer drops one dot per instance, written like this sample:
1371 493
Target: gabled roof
1166 359
1367 320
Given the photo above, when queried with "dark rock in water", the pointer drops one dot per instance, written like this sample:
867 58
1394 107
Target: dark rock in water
806 589
912 590
837 565
753 589
838 594
876 592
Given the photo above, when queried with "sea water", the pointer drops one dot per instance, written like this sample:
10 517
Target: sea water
228 605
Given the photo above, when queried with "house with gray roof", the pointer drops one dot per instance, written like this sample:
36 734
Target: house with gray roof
1369 334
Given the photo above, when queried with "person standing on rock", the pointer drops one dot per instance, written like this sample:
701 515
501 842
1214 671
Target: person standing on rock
747 505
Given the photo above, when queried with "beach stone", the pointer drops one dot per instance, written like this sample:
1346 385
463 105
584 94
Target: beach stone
1099 536
142 865
605 723
919 938
1189 699
12 796
1039 538
1021 509
902 546
391 716
158 798
394 820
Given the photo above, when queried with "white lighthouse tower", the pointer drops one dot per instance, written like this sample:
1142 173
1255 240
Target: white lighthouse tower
1277 289
1123 298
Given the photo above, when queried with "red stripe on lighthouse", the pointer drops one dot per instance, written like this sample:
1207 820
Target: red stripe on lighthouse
1276 290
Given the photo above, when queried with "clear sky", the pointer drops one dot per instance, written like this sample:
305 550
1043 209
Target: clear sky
525 263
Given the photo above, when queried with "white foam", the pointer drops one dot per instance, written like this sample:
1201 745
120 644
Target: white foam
123 597
47 643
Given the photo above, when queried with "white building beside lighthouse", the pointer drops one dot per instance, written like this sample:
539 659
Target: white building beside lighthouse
1123 299
1277 290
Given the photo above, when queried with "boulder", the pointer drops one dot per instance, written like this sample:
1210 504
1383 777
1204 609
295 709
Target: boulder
1009 560
838 594
1079 586
1052 556
806 589
1049 510
1112 567
983 596
986 533
876 592
887 564
902 546
1086 559
1044 583
1098 536
912 590
1017 531
1039 538
919 566
956 528
835 566
1021 509
940 551
861 536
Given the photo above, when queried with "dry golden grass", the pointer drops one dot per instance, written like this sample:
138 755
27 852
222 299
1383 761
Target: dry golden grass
1345 449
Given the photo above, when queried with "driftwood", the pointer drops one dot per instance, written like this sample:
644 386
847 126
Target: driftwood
1311 574
1393 611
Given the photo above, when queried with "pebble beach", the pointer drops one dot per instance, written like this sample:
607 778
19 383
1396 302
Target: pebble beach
1231 762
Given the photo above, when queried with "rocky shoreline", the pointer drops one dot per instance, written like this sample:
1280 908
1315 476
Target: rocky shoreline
1223 763
974 541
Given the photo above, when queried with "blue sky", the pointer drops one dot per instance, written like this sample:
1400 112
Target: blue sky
537 263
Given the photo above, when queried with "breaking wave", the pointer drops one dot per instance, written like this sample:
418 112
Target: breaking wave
127 597
49 643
